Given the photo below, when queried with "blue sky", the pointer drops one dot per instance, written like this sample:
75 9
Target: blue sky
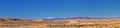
59 8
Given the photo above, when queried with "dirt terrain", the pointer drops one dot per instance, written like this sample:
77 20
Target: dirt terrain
83 23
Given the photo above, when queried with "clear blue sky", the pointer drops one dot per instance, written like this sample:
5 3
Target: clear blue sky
59 8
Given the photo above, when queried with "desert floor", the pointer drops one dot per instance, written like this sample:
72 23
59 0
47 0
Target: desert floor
89 23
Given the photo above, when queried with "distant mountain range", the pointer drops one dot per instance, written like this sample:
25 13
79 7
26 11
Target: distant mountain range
52 18
73 18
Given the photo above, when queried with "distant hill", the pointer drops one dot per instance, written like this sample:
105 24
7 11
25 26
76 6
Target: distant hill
13 19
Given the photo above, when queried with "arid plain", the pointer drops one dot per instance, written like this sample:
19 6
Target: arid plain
83 23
